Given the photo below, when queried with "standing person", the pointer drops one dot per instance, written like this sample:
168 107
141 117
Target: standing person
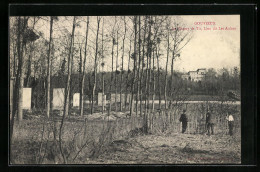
230 119
184 120
210 122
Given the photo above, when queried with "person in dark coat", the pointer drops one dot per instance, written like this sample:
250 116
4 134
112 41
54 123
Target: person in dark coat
184 120
210 122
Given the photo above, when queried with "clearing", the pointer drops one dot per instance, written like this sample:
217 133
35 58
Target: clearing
173 149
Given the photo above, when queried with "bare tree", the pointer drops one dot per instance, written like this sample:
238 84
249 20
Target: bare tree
95 67
128 72
83 71
138 66
153 96
21 49
17 100
49 71
121 81
67 91
149 65
116 73
166 66
25 36
158 73
102 64
180 39
112 53
31 50
134 75
143 65
149 49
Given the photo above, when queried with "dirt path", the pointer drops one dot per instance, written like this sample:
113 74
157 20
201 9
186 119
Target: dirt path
173 149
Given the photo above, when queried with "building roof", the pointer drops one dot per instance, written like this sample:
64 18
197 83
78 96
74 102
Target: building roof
201 69
195 71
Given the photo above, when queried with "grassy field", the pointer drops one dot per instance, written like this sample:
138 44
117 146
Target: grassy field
118 139
173 149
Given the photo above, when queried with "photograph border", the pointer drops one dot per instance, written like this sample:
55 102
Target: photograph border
248 55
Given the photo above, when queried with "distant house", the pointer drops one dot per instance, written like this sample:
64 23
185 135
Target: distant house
196 76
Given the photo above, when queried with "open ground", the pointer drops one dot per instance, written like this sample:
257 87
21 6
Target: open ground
119 139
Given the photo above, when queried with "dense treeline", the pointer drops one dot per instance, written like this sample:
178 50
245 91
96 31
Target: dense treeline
217 83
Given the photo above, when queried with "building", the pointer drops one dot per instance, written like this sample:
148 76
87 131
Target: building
196 76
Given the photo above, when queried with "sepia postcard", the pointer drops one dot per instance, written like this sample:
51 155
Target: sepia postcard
125 89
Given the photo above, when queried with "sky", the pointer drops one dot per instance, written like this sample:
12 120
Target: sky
211 48
207 49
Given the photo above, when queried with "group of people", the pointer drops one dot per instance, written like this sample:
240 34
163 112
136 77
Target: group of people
210 122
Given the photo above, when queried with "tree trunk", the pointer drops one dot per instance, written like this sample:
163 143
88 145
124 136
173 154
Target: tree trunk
71 83
49 72
142 72
17 90
28 74
81 92
127 76
171 86
173 56
139 63
12 83
121 81
147 78
21 50
116 73
166 69
95 68
153 85
103 83
112 75
14 65
83 72
67 89
134 76
158 77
